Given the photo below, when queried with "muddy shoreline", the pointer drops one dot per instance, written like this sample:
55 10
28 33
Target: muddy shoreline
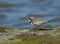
9 34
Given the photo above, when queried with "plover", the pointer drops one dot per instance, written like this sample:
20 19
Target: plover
36 22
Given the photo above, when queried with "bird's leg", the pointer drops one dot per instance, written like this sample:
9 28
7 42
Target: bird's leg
37 28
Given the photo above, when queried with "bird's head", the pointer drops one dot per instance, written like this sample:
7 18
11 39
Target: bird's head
30 18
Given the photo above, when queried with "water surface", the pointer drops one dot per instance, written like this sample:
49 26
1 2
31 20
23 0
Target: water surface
14 13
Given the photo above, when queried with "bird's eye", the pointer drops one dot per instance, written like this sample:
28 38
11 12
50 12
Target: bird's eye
29 19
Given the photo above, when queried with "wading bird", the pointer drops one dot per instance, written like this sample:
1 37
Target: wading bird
37 22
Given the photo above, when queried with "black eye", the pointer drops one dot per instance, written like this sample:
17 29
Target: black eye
29 19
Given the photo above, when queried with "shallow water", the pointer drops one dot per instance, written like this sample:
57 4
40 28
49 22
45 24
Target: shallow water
14 13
